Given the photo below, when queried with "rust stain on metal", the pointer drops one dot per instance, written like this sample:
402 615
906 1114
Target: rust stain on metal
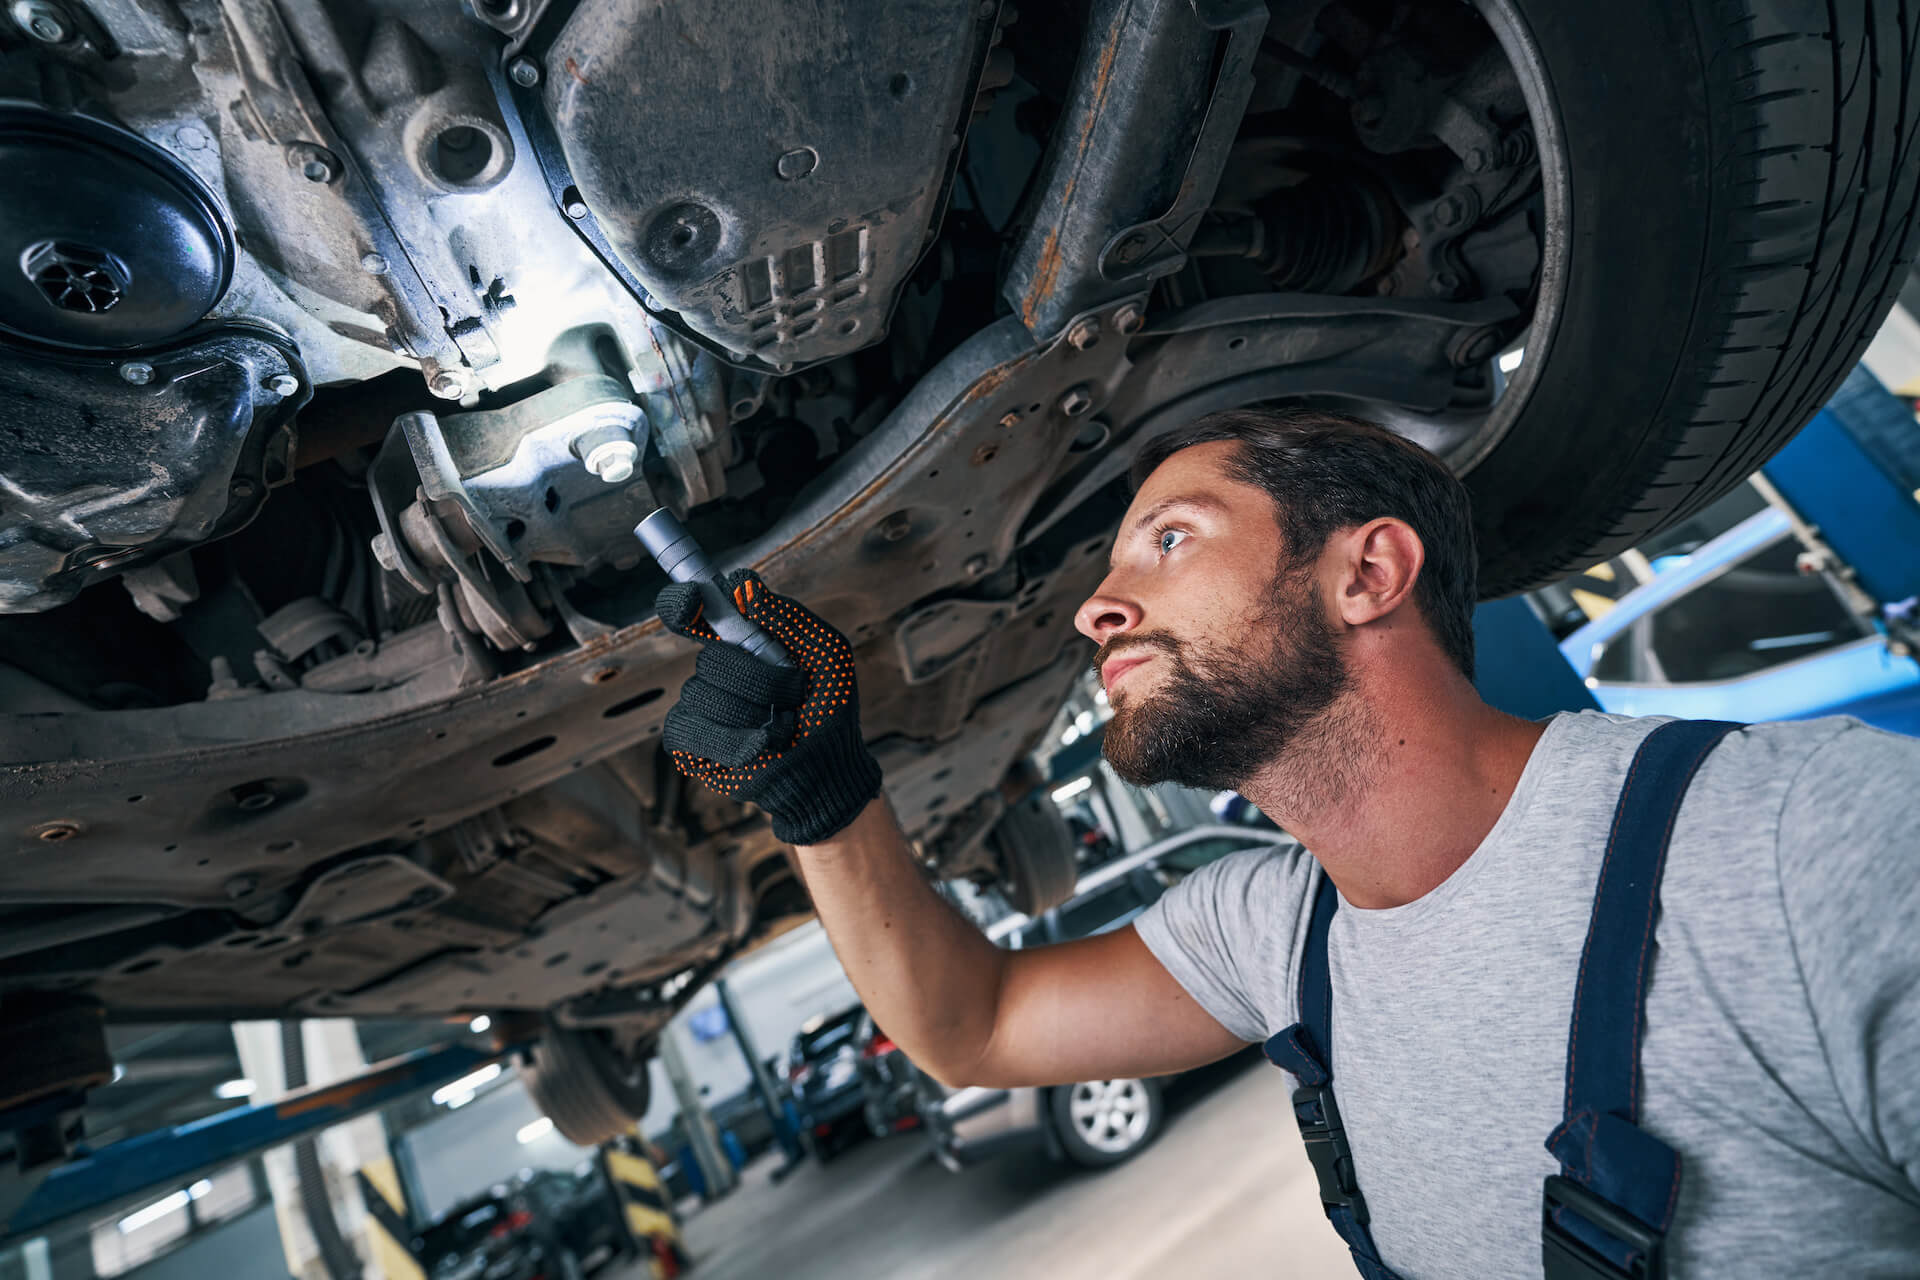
573 69
1046 271
327 1096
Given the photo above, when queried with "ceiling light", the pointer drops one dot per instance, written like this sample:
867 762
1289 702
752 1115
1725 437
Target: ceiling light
1063 794
234 1089
466 1085
480 1024
154 1212
534 1132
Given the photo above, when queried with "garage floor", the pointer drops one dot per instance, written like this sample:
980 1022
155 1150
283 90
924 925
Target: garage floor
1225 1192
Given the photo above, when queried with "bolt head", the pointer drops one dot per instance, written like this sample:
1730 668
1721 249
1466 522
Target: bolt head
373 264
1076 401
448 384
613 460
524 72
137 372
576 209
1128 319
1477 160
283 385
895 527
1084 334
976 565
1447 212
43 20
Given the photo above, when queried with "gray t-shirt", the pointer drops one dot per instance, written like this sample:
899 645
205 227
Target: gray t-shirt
1782 1050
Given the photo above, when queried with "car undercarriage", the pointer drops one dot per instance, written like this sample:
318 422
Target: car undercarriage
349 341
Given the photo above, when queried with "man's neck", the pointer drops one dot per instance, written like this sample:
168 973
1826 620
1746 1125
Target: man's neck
1401 789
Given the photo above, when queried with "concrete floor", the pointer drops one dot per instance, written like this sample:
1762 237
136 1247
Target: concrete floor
1225 1192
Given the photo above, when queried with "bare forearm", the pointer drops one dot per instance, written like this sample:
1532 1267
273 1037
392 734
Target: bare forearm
926 973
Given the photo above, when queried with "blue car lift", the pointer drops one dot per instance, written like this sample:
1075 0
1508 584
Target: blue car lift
95 1180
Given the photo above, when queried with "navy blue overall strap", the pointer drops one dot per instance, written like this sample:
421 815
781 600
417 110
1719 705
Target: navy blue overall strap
1608 1212
1306 1050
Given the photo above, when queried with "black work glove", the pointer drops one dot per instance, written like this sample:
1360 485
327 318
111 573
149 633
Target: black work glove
784 738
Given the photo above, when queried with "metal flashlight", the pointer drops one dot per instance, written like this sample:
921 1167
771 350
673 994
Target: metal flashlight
674 549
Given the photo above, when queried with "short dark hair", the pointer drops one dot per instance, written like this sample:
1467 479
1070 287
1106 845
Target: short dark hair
1327 472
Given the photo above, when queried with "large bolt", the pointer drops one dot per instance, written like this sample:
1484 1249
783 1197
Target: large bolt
1128 318
43 20
1447 212
373 264
613 460
575 209
448 384
609 452
1084 334
283 385
137 372
894 527
524 72
1076 401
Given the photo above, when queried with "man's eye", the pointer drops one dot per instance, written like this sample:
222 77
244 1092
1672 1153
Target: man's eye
1170 538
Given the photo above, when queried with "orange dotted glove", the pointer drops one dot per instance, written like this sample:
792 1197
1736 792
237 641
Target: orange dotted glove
785 738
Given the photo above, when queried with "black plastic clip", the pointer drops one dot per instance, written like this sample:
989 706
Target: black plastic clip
1568 1257
1326 1138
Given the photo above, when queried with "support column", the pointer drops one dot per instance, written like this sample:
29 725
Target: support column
763 1083
715 1168
353 1163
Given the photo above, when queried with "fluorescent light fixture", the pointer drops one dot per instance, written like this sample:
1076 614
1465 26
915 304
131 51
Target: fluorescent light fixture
466 1084
234 1089
200 1188
1084 722
154 1212
119 1073
534 1132
1510 360
1063 794
480 1024
1070 735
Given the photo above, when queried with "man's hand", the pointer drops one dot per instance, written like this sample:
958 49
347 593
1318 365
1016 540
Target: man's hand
784 738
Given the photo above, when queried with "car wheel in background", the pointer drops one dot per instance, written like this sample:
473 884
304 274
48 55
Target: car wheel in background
1035 850
1102 1122
587 1085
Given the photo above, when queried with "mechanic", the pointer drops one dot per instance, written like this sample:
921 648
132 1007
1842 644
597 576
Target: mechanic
1289 614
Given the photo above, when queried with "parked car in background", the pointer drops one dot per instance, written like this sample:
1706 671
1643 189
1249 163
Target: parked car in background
894 1088
1094 1123
1734 630
823 1069
544 1224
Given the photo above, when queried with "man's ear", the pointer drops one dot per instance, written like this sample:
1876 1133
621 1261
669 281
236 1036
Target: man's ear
1380 562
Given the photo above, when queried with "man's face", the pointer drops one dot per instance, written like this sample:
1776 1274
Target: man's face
1215 649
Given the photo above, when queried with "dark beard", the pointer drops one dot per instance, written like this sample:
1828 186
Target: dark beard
1218 730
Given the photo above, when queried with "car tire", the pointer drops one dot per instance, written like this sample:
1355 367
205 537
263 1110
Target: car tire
1741 202
1104 1122
586 1085
1036 853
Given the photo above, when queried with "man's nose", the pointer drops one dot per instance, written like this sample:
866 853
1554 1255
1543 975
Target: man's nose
1105 615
